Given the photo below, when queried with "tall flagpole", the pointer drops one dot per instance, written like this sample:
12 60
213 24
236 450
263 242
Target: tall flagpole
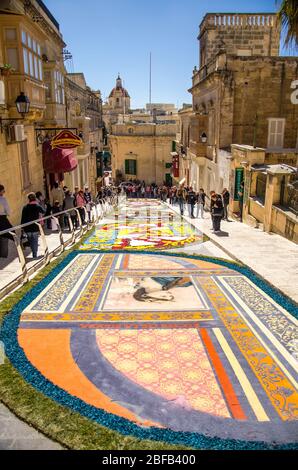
123 101
150 82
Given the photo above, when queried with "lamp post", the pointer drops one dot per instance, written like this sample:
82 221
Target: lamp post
203 138
23 106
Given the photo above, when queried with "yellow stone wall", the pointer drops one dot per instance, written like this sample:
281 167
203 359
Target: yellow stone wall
280 222
150 152
11 176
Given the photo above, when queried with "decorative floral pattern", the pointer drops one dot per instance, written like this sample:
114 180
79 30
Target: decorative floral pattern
17 356
170 363
139 235
279 324
59 292
283 395
89 297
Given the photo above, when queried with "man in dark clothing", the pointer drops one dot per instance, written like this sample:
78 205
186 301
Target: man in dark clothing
212 202
217 211
191 200
181 197
226 202
32 212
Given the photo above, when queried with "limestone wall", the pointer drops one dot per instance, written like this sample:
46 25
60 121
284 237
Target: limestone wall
150 152
11 176
243 34
256 209
284 223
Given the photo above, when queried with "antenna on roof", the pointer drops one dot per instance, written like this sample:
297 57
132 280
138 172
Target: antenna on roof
123 99
150 80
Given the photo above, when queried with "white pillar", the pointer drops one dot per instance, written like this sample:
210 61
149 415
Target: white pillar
84 171
78 170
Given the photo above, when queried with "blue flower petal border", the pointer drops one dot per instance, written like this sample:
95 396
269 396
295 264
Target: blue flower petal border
8 334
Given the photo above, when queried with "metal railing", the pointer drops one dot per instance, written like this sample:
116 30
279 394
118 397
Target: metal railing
98 211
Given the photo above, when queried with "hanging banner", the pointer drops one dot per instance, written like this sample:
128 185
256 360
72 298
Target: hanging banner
239 176
66 139
175 161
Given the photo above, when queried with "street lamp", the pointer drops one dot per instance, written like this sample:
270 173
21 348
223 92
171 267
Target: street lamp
23 104
203 138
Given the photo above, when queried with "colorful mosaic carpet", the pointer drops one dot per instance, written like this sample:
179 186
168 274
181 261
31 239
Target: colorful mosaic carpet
162 347
143 224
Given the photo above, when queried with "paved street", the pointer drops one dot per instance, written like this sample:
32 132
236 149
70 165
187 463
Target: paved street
273 257
16 435
171 344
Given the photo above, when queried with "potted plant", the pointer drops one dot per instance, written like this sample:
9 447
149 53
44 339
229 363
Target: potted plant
6 69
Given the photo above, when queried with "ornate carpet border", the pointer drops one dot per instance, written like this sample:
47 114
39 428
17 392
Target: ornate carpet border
195 440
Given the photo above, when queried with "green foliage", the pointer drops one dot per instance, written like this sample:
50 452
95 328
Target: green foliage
288 16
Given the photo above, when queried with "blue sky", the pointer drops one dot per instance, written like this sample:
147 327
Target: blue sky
107 37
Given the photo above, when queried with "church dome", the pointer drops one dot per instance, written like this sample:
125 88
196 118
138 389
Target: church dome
118 88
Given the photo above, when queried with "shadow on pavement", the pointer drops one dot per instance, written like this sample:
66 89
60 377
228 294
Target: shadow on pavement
222 234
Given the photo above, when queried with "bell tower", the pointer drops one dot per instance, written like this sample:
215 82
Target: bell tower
119 99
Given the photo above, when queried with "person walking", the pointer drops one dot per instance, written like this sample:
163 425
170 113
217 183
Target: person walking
164 193
4 223
80 205
57 194
226 202
69 204
41 201
191 201
201 197
217 211
181 197
31 212
88 202
212 202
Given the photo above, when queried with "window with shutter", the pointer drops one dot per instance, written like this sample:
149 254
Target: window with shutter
276 129
130 167
31 56
24 164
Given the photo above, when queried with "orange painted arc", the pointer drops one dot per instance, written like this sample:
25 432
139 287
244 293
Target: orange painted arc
225 383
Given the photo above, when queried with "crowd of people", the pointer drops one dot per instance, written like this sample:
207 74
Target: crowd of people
39 207
184 196
196 202
62 199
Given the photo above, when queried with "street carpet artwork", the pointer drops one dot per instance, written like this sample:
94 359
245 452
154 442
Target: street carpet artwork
140 225
172 348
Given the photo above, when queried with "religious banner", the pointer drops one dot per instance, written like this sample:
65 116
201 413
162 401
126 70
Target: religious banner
239 176
66 139
175 165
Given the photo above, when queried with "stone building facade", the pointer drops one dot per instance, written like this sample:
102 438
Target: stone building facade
118 104
84 112
241 94
31 42
142 151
